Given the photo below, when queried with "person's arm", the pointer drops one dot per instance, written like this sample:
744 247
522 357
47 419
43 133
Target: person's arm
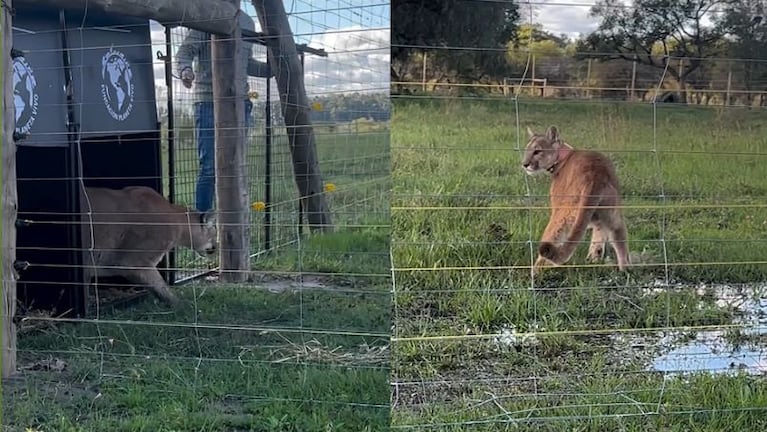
188 51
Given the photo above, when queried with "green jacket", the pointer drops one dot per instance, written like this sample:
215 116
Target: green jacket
196 45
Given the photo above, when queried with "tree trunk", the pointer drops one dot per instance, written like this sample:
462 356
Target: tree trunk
210 16
682 89
9 197
679 76
231 174
286 66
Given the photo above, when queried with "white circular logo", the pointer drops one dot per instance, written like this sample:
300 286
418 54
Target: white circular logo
25 96
117 85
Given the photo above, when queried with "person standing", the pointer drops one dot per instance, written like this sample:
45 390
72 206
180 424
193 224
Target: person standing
197 46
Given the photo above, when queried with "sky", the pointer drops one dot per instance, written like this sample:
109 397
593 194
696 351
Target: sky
570 17
354 33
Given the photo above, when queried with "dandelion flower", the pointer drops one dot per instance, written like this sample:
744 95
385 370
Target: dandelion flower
317 106
329 187
258 206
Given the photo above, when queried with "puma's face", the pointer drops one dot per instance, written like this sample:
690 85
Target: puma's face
541 152
205 235
539 156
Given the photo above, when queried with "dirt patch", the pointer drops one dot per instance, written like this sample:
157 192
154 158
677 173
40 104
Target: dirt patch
279 284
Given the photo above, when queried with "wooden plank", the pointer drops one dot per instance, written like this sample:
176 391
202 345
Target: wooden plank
285 63
9 198
211 16
231 172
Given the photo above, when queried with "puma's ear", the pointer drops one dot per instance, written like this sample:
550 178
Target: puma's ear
530 132
552 134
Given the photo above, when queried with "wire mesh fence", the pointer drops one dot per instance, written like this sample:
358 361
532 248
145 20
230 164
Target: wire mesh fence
478 341
303 343
480 344
183 160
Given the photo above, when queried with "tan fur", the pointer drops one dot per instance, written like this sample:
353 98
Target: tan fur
133 229
581 182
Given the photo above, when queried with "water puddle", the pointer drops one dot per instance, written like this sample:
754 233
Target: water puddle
711 352
720 351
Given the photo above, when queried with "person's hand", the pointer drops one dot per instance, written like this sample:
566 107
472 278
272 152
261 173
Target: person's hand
187 76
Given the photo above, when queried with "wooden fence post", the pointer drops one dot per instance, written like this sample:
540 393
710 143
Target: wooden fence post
9 197
231 174
633 78
729 85
210 16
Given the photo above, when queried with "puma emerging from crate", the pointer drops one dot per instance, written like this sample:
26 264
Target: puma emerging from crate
584 194
133 228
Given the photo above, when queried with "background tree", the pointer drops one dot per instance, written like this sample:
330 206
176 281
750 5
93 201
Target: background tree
532 39
483 28
550 55
676 28
743 23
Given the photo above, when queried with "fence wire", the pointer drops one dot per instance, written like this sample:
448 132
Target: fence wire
302 341
479 344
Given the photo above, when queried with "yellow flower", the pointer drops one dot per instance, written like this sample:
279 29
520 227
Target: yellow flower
330 187
258 206
317 106
253 95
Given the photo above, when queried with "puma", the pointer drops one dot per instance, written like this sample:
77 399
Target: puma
584 194
126 232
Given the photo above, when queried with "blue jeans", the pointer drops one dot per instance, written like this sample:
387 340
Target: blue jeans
206 151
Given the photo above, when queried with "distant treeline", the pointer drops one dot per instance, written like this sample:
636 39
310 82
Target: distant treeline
697 49
333 108
339 108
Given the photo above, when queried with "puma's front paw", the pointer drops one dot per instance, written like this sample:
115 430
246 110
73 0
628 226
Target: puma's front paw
548 251
539 265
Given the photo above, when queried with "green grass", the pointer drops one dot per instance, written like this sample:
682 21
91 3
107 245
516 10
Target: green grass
257 356
146 368
613 403
350 255
692 179
354 158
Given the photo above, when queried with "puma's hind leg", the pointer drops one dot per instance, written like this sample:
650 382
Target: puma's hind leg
619 242
598 242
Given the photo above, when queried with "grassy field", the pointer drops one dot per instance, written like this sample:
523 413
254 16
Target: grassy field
281 353
475 348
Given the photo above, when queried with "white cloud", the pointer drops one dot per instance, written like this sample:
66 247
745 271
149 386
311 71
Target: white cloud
358 60
570 17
